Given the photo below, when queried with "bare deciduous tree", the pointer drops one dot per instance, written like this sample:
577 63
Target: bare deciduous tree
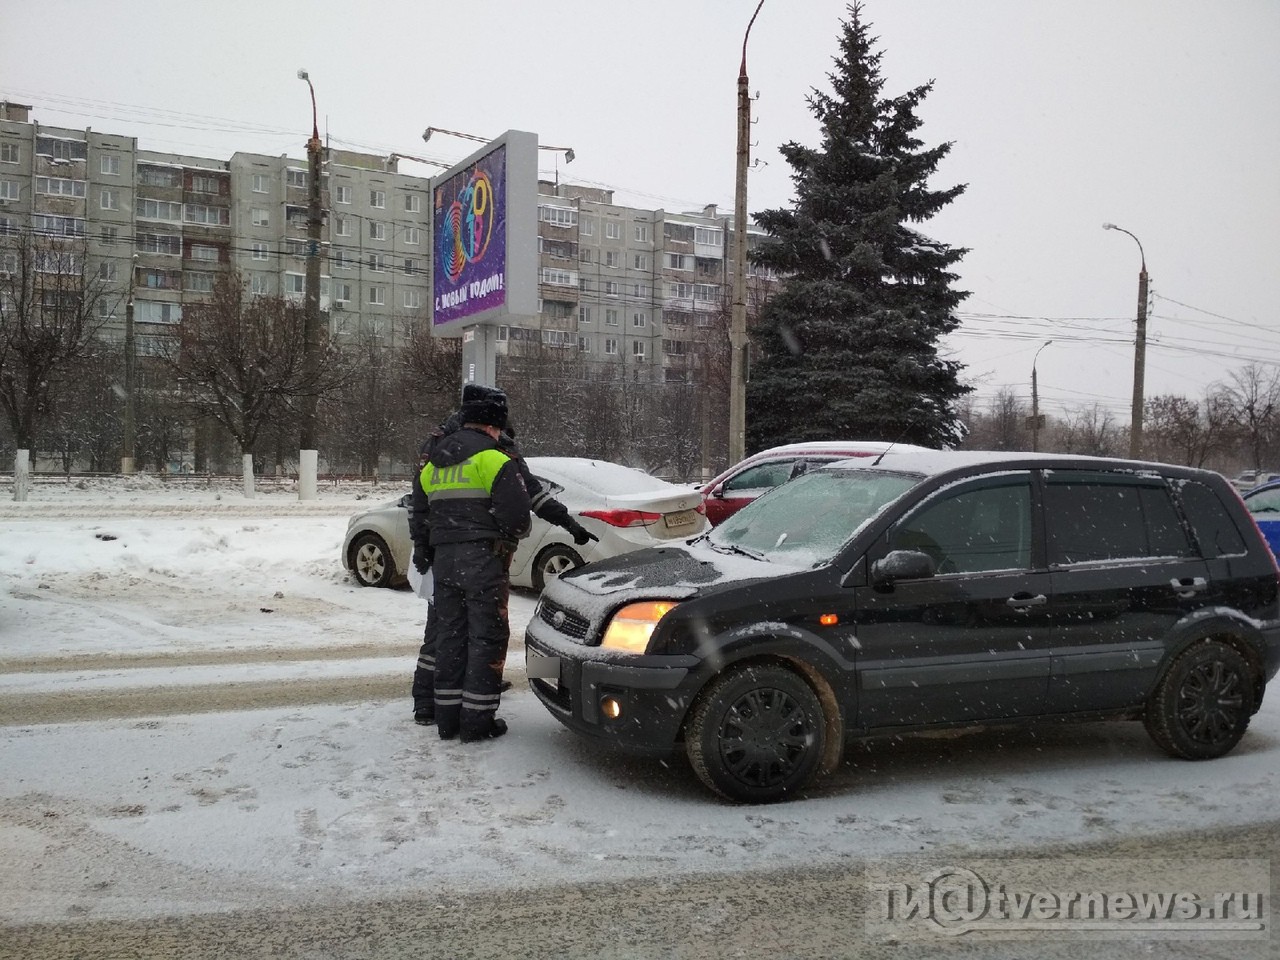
1252 398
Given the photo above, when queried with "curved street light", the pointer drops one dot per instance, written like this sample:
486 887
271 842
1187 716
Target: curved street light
426 135
1139 350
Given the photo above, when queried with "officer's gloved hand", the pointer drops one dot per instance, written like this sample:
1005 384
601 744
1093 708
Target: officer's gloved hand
422 557
581 535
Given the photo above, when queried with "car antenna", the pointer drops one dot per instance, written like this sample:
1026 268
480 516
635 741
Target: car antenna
876 461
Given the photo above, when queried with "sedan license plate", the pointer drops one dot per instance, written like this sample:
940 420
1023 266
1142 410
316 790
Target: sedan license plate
539 667
680 520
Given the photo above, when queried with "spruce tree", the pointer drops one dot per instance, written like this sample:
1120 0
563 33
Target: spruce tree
847 349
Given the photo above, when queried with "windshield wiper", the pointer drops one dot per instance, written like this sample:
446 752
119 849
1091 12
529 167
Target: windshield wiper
734 548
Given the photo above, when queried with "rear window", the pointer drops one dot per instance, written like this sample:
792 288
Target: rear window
1214 529
1096 517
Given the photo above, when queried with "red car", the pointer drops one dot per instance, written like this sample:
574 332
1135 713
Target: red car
761 472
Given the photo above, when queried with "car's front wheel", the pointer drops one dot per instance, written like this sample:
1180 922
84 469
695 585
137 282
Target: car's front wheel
371 561
1202 705
553 561
756 734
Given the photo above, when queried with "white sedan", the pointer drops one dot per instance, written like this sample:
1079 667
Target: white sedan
626 508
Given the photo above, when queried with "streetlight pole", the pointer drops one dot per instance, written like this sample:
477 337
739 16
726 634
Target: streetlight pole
738 313
128 457
1139 350
1035 401
307 454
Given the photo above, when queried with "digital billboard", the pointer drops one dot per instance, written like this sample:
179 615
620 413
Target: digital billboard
484 236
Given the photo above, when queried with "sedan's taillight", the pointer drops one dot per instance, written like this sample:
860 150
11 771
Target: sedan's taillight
624 518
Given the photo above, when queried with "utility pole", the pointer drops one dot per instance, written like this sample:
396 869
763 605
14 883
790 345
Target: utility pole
307 456
128 459
738 314
1035 401
1139 351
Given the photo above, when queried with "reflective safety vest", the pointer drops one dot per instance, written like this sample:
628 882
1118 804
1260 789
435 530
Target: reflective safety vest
471 479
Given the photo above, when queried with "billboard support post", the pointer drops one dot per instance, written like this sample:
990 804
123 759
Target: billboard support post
479 359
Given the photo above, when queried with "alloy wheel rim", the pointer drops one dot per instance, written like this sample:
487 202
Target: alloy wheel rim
1211 703
764 736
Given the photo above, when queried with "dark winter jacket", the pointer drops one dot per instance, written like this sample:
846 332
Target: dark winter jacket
545 506
474 491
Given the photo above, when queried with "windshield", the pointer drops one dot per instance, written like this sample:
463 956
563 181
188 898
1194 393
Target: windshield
810 518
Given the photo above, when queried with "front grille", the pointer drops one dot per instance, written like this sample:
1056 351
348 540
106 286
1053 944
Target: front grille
571 624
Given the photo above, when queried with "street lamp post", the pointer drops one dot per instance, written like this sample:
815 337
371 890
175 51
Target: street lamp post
1035 401
738 312
307 442
1139 350
128 455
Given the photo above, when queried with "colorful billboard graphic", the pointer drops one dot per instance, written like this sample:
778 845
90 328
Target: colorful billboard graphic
471 240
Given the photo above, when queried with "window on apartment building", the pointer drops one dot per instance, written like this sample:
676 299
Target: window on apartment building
611 346
107 235
342 226
259 284
637 351
202 183
412 236
557 216
60 187
679 291
412 299
559 278
153 311
341 260
708 236
260 183
584 314
106 308
259 250
167 244
640 261
200 251
679 261
295 283
611 318
378 199
8 265
412 267
587 227
706 291
612 288
61 149
641 233
675 348
158 176
377 230
260 217
584 344
295 177
640 319
198 281
612 230
295 216
109 165
53 226
109 199
377 295
378 262
342 194
640 291
412 203
202 213
10 190
702 319
584 254
675 318
157 210
107 270
342 292
158 279
10 153
611 258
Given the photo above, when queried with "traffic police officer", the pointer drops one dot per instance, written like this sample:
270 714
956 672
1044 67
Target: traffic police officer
477 509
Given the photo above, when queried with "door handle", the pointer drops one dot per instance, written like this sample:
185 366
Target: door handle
1186 587
1024 601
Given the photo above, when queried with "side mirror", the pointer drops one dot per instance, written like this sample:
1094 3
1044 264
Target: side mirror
903 565
717 491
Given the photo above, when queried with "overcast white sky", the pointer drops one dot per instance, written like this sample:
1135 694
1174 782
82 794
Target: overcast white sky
1162 116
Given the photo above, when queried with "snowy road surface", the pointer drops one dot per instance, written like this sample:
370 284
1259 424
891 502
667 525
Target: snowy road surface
202 714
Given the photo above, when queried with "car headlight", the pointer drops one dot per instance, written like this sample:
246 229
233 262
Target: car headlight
631 627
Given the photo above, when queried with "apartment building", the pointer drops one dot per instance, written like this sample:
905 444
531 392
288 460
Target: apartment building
628 285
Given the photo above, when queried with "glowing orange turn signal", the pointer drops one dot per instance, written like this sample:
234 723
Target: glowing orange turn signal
828 619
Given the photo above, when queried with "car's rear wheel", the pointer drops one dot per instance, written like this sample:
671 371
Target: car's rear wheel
1201 707
756 734
551 562
371 561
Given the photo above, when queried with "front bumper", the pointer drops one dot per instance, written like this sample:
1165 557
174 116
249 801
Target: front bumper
652 693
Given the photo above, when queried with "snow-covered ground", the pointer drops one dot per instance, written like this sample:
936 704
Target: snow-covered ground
153 759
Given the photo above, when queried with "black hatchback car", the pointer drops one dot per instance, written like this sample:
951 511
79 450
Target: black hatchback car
918 591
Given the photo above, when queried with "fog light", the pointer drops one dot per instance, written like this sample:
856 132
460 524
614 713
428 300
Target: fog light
611 708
